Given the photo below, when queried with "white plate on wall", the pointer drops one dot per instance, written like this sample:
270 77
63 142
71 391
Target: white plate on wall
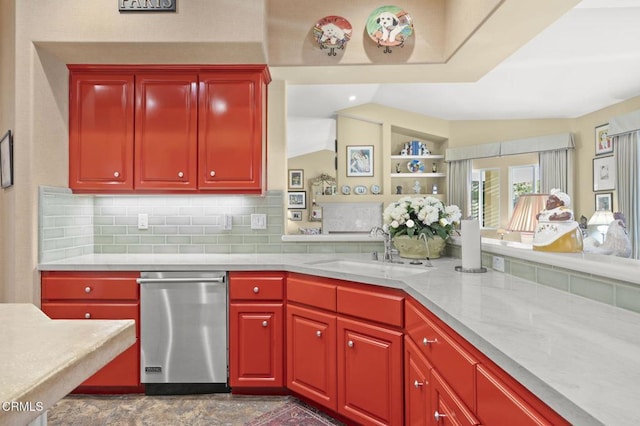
360 190
346 189
375 189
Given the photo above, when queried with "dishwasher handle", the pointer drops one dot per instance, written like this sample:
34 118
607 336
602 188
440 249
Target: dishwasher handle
179 280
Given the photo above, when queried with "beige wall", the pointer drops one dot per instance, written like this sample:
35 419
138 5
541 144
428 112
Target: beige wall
7 118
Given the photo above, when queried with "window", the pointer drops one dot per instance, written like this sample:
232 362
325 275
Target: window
522 180
485 197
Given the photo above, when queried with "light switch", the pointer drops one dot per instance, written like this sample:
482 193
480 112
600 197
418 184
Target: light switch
143 221
259 221
227 222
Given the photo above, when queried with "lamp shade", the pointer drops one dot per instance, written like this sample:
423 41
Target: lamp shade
601 217
524 215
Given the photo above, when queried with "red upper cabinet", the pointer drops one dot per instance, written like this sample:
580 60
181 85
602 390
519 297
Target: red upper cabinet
168 128
101 131
231 131
166 140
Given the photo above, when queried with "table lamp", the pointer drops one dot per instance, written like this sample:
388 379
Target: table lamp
601 220
524 218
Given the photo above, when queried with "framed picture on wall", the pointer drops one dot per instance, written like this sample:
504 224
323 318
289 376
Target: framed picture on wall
296 215
604 201
604 144
604 173
296 179
297 200
6 160
360 160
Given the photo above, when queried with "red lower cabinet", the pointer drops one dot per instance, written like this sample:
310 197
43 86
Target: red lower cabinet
448 408
99 295
369 373
417 386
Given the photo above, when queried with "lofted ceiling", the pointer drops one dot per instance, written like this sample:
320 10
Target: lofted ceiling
585 60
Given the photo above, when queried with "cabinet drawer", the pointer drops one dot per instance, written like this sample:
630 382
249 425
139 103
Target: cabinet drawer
453 362
371 304
99 311
90 286
448 408
251 286
312 291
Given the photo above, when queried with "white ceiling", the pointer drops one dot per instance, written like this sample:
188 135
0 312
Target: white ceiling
587 60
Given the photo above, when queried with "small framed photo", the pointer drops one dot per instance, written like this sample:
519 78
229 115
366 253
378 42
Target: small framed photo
297 200
360 160
604 201
296 215
604 144
296 179
6 160
604 173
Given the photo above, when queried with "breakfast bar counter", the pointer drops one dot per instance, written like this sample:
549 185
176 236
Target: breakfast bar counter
42 360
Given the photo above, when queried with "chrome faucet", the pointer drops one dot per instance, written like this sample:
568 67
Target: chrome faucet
428 259
376 230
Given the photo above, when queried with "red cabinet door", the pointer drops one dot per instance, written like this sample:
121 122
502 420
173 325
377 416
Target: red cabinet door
370 373
448 408
230 131
101 131
256 345
166 136
311 355
417 386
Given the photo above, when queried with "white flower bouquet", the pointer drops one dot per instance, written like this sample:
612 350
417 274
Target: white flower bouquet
421 215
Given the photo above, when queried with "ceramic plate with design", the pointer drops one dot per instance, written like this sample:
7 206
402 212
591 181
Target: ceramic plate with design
389 26
415 166
332 31
375 189
360 190
346 189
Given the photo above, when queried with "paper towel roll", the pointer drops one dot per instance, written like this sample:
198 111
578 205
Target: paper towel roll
471 252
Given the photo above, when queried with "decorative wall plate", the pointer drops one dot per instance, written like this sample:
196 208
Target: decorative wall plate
346 189
375 189
415 166
360 190
389 26
332 31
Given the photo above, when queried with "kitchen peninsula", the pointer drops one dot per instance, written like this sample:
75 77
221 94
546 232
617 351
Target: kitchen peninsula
42 360
563 348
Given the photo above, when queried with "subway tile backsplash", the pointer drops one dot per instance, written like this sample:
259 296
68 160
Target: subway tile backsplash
72 225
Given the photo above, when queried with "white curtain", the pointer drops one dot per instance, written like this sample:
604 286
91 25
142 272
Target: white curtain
460 185
556 171
628 185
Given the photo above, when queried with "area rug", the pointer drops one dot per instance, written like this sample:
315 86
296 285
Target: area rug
294 412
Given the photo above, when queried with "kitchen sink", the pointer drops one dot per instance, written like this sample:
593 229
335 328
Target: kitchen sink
373 268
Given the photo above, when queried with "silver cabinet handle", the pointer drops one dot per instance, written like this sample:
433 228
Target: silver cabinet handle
212 173
426 341
319 333
418 384
256 289
264 323
180 174
87 289
87 315
116 174
438 416
350 343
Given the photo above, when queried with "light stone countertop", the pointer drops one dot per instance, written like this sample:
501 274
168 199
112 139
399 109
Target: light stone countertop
42 360
579 356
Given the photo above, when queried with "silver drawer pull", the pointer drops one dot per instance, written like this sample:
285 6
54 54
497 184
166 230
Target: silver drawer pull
116 174
418 384
212 173
87 289
319 333
350 343
180 174
87 315
256 289
426 341
438 416
264 323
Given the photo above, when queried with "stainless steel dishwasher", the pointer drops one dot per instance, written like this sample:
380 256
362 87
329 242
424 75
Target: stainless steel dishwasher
183 332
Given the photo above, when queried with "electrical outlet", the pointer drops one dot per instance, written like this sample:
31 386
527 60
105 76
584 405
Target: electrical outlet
259 221
143 221
498 263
